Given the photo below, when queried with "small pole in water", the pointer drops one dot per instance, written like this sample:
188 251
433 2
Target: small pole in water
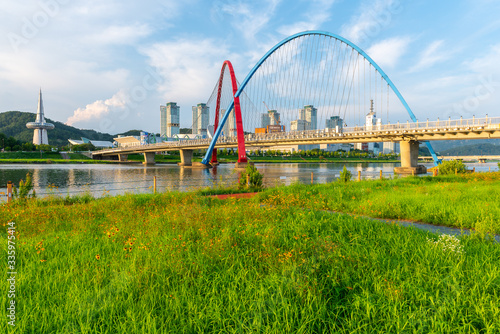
489 169
359 175
312 177
473 169
9 191
381 177
154 185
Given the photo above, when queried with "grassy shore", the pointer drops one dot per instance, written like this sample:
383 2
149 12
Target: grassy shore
304 159
54 157
468 201
186 263
42 158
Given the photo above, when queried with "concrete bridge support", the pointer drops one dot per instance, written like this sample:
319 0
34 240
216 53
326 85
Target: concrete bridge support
186 158
122 157
409 159
149 158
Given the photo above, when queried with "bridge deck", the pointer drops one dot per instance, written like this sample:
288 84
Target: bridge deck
426 131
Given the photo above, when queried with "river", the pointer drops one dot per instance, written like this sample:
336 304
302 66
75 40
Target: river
107 179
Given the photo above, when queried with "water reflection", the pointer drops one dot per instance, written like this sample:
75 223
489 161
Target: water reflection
118 179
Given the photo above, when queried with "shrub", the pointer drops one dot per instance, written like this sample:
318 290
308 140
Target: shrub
449 167
345 175
255 178
25 188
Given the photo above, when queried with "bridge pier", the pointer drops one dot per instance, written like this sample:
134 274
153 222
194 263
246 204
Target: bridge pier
186 158
122 157
409 159
149 158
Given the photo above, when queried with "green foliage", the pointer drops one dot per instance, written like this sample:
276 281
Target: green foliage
83 147
345 175
24 189
44 148
255 178
449 167
131 264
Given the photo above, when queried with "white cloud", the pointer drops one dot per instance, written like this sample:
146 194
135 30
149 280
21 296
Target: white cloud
248 18
316 15
387 53
373 17
190 70
472 91
98 110
127 34
430 56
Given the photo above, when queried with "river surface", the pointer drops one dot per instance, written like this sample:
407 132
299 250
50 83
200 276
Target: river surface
99 180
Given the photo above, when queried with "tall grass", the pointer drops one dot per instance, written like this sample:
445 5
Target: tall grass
183 263
468 201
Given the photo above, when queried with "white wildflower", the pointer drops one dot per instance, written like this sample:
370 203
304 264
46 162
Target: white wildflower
448 243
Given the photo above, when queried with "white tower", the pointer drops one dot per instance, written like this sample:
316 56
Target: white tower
39 125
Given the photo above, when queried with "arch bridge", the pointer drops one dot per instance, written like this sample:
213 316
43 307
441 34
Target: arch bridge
314 88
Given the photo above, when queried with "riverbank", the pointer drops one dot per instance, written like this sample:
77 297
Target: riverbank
183 262
54 157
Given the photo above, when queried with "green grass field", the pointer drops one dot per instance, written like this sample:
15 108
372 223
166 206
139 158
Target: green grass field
185 263
469 201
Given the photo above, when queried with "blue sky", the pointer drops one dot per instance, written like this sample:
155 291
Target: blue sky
108 65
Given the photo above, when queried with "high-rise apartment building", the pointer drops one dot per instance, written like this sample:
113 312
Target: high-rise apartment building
300 125
229 129
272 117
310 114
169 120
201 117
335 122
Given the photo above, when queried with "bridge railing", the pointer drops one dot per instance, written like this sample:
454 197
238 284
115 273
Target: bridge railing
439 125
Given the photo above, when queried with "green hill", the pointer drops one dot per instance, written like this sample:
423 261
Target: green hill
476 149
13 123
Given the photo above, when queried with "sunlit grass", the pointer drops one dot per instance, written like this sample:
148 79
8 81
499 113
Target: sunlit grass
184 263
468 201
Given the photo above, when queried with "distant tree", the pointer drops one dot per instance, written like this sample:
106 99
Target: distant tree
11 141
28 147
83 147
44 148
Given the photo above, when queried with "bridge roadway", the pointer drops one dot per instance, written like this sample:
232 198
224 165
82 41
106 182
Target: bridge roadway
408 134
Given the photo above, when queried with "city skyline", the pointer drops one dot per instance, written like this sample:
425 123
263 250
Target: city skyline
108 66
